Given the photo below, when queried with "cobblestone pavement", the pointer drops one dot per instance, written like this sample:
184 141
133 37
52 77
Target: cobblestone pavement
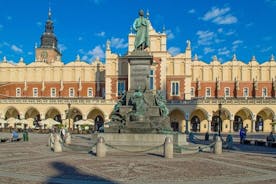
33 162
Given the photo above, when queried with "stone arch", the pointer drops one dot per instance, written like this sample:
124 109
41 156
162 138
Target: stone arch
177 119
264 119
11 112
97 116
53 113
243 118
224 117
199 120
32 112
201 113
75 114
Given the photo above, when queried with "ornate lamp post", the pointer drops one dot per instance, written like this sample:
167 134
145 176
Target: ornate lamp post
219 123
68 114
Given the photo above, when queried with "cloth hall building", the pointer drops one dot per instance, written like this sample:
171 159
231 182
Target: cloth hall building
49 88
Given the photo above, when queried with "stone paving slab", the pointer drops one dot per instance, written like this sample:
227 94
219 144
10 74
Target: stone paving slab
33 162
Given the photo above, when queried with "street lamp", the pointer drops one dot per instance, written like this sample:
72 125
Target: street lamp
219 123
68 115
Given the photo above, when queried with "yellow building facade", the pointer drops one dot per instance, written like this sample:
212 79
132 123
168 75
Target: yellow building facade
49 88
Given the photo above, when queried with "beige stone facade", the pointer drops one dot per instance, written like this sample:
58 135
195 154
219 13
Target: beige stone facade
193 88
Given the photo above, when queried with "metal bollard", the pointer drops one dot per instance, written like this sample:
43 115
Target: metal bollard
100 148
218 146
68 139
168 148
57 144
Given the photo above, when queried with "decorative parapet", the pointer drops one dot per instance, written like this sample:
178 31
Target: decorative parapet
228 101
80 101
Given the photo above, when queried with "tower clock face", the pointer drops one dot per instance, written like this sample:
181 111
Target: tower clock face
44 54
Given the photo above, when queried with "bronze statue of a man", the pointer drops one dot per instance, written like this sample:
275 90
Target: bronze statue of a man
141 26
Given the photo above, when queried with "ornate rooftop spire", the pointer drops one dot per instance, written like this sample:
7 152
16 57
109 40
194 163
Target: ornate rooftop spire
272 57
234 58
253 58
48 38
195 57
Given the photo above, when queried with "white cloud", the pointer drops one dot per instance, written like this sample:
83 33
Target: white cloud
191 11
62 47
93 53
227 19
30 53
215 12
16 49
170 34
220 16
174 50
205 37
118 43
223 51
100 34
229 33
220 30
237 42
266 49
39 24
207 50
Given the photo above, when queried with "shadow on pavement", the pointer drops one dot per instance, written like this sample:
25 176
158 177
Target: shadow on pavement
254 149
69 174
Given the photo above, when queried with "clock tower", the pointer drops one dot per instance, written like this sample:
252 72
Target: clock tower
48 51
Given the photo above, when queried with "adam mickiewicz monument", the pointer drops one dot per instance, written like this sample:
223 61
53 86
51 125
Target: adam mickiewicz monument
141 26
140 110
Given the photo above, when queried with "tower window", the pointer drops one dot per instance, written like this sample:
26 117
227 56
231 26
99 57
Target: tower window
151 80
175 88
245 92
227 92
121 87
53 92
208 92
71 92
35 92
18 92
90 92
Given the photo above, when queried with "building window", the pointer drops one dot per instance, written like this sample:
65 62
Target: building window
227 92
18 92
151 80
121 87
71 92
264 92
208 92
175 88
192 92
35 92
245 92
53 92
90 92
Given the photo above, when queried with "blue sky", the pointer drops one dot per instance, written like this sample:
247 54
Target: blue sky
215 27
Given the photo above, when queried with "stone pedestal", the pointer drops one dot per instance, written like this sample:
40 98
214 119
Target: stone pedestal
139 62
100 148
57 144
68 138
139 141
218 146
168 148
